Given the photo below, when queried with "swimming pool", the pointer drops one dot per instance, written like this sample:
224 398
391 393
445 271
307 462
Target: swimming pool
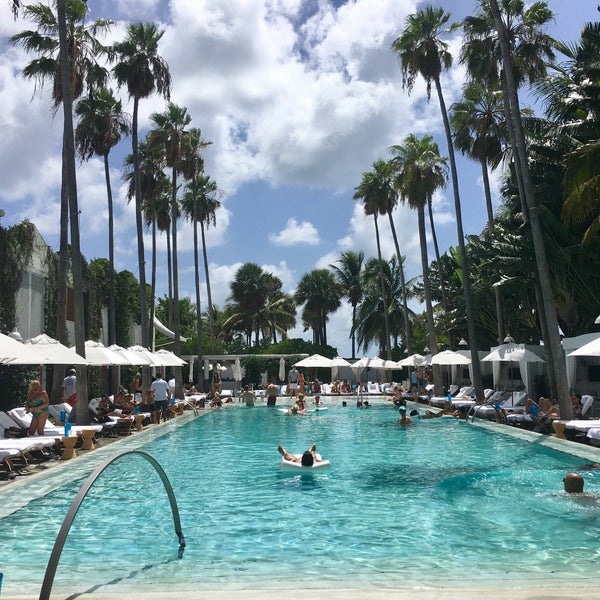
439 504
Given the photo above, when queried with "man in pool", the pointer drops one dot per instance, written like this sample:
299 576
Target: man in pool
573 483
306 460
404 418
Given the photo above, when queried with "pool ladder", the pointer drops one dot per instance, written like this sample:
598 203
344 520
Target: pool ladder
72 512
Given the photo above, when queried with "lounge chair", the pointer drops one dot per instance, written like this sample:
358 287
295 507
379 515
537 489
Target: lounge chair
23 419
458 395
373 388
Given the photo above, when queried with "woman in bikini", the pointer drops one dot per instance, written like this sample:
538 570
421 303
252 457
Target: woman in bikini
37 405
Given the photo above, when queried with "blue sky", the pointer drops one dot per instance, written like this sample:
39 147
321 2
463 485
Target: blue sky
299 97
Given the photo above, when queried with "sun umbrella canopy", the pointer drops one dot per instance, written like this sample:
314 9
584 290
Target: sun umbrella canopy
151 357
448 357
414 360
16 353
170 359
237 370
281 369
133 357
54 352
97 354
315 360
512 353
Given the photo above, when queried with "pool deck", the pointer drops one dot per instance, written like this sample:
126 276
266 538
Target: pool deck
505 590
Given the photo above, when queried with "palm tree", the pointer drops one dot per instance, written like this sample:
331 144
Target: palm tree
143 71
370 192
67 52
320 293
547 297
101 126
348 275
421 172
477 122
200 204
422 52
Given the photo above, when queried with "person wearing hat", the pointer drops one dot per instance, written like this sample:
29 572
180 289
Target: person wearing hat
404 418
69 388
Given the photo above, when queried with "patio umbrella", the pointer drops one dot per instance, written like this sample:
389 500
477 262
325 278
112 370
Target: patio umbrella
97 354
151 357
237 370
134 359
282 369
414 360
336 363
54 352
315 361
16 353
448 357
170 359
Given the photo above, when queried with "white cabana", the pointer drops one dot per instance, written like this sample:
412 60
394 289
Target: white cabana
336 363
513 353
451 359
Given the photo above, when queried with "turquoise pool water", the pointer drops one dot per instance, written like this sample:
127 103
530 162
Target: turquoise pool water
441 503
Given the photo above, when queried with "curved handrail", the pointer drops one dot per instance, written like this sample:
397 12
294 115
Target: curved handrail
72 512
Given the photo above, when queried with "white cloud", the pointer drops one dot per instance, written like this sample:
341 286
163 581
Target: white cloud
295 233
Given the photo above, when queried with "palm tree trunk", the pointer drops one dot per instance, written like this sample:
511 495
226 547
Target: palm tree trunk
547 296
407 331
69 143
211 323
464 261
436 250
140 241
197 273
61 284
501 328
153 285
112 324
176 326
431 336
354 331
170 280
386 319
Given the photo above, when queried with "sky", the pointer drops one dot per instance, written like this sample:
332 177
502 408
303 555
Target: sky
298 97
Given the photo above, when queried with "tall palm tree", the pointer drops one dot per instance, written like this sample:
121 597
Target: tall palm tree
68 52
547 296
348 275
170 134
320 293
370 192
200 204
422 52
143 71
422 171
100 127
477 121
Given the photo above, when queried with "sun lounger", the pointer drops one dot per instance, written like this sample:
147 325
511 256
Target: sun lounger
23 419
373 388
462 395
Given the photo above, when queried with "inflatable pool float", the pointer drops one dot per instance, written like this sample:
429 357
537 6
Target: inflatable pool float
296 466
316 409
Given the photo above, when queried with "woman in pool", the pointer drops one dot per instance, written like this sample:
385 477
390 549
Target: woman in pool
37 405
308 458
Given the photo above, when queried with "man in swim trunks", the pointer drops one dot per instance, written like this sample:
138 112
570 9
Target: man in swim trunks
306 460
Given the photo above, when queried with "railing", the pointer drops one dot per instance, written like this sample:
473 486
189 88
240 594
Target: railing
69 518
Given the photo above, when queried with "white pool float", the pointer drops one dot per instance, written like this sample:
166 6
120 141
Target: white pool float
296 466
316 409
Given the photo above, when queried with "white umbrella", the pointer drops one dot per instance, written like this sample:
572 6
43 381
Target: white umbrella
133 358
237 370
97 354
54 352
336 363
16 353
151 357
414 360
170 359
315 361
448 357
282 369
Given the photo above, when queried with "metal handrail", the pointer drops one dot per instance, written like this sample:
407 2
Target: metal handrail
72 512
